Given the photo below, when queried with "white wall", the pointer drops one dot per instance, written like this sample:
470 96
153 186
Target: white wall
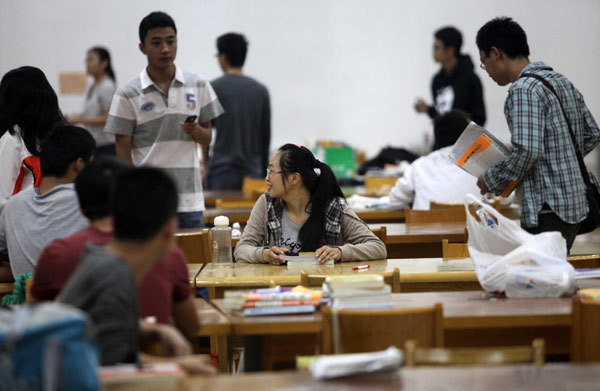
347 70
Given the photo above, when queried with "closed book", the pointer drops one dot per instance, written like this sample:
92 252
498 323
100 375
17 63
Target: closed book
283 296
278 303
283 310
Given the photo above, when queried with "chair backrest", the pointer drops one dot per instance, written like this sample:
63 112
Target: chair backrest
196 246
585 332
357 331
474 356
251 185
309 280
412 216
233 204
454 250
381 233
584 261
376 183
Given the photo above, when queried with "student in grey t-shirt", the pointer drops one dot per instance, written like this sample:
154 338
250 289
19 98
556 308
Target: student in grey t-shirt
243 133
37 216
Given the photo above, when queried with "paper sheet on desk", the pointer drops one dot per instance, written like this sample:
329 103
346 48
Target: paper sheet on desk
358 202
304 259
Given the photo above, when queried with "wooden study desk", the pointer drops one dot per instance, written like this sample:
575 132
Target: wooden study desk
216 326
416 275
241 215
471 319
422 240
552 376
194 270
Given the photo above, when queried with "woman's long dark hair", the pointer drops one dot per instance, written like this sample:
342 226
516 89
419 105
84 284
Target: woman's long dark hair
322 187
104 55
28 101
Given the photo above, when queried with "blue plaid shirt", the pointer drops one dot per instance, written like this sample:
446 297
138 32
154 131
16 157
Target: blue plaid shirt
543 156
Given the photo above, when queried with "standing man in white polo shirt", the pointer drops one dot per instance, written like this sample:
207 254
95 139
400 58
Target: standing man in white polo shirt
148 117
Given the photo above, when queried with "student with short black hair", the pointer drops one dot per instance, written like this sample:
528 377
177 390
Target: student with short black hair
149 117
104 282
164 293
543 157
28 111
304 210
243 133
455 86
37 216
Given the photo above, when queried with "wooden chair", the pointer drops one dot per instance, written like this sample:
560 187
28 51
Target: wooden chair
584 261
474 356
585 334
412 216
381 233
454 250
356 331
251 185
196 246
234 204
375 182
308 280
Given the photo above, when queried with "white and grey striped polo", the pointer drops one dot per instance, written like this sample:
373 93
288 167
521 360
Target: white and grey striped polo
141 110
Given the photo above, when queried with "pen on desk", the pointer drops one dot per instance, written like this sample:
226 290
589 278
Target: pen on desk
361 267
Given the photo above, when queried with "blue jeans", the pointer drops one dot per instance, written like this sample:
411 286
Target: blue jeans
229 179
191 219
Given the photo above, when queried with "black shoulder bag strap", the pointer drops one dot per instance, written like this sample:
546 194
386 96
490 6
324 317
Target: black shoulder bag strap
591 191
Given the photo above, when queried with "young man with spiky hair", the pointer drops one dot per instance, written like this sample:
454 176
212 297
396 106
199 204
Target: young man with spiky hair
543 156
160 117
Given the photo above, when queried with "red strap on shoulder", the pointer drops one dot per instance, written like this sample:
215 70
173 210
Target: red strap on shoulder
32 163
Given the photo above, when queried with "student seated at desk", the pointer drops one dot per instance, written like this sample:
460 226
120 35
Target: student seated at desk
105 280
304 210
37 216
163 293
435 177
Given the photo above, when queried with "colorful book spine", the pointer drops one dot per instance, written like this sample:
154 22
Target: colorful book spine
278 303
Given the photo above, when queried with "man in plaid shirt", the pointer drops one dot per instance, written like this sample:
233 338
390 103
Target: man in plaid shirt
543 158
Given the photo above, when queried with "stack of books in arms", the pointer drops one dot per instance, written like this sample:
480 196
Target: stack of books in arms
274 301
367 291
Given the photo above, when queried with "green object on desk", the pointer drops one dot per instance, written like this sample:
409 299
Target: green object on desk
340 159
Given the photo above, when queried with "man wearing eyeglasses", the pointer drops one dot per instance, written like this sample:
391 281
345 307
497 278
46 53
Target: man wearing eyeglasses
455 86
543 157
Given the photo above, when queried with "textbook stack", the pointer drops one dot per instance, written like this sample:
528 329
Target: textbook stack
274 301
367 291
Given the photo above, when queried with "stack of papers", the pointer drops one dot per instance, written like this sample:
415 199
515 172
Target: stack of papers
476 150
304 259
358 202
366 291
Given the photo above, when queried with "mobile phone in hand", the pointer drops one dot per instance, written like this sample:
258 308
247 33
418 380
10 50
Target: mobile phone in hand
190 119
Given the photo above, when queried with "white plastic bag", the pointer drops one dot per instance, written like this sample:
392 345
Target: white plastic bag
510 260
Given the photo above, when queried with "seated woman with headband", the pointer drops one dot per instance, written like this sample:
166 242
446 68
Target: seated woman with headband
304 210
